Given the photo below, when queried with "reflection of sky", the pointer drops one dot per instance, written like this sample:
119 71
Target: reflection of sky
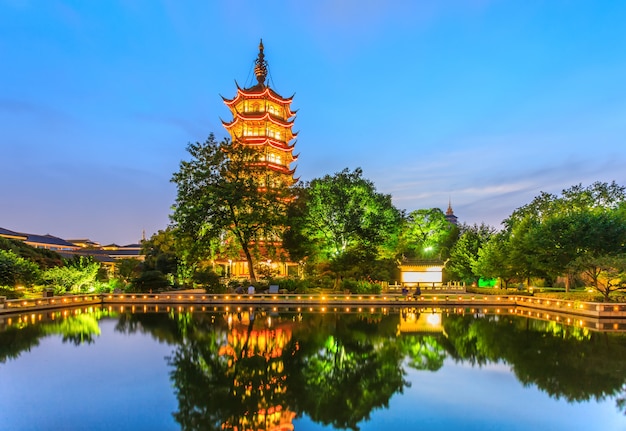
121 382
461 397
118 382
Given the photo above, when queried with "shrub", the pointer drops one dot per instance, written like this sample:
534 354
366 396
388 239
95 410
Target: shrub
15 270
11 293
496 291
149 281
78 276
210 280
360 286
292 285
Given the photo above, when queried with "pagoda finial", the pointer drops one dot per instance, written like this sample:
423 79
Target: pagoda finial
260 67
449 210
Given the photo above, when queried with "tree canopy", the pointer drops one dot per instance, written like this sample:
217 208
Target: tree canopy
221 203
571 235
343 220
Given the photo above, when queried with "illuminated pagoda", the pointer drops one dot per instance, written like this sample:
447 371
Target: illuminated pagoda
263 120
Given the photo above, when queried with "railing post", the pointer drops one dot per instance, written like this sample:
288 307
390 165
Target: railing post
3 302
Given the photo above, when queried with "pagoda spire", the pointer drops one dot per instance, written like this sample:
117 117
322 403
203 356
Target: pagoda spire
260 66
449 210
452 219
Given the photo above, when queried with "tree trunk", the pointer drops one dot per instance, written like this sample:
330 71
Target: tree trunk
246 251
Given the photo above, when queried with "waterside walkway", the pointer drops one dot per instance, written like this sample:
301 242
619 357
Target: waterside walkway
599 316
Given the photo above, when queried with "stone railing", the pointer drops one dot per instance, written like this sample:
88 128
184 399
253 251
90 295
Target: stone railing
14 305
391 299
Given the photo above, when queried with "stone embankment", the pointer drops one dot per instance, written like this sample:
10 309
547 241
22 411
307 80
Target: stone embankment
598 316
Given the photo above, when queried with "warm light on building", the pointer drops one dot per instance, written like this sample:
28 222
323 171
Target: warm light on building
263 120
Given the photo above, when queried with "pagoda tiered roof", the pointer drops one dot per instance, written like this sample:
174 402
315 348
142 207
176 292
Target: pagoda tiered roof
258 116
259 91
274 143
274 166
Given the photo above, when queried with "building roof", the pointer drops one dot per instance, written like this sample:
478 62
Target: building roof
49 240
78 247
6 233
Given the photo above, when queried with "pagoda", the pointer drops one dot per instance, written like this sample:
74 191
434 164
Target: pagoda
263 120
452 219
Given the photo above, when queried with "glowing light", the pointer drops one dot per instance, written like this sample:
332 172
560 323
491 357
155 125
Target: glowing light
434 319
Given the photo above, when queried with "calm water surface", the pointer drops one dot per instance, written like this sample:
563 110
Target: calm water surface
103 369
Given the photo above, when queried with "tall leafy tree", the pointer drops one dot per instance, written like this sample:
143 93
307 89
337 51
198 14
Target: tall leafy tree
494 259
223 202
344 221
564 235
464 254
345 211
426 233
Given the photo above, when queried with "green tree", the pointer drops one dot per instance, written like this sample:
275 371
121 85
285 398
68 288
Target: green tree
494 259
225 199
77 276
464 254
127 269
162 254
15 270
42 257
556 235
343 221
607 272
427 234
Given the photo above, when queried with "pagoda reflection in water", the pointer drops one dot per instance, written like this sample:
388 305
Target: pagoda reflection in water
254 338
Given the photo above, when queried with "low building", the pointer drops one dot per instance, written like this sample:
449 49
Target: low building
107 255
414 272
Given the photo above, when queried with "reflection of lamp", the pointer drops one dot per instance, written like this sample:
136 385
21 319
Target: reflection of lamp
434 319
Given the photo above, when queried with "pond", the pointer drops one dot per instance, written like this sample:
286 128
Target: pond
265 369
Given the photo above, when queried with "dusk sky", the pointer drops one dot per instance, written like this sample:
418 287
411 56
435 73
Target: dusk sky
485 103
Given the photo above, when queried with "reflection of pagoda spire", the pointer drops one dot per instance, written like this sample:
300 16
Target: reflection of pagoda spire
260 66
251 337
452 219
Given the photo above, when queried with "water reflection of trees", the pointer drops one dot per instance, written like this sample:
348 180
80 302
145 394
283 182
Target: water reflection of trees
79 328
564 361
338 368
258 370
347 367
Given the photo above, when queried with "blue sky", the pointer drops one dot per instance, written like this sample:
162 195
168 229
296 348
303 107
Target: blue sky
483 102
